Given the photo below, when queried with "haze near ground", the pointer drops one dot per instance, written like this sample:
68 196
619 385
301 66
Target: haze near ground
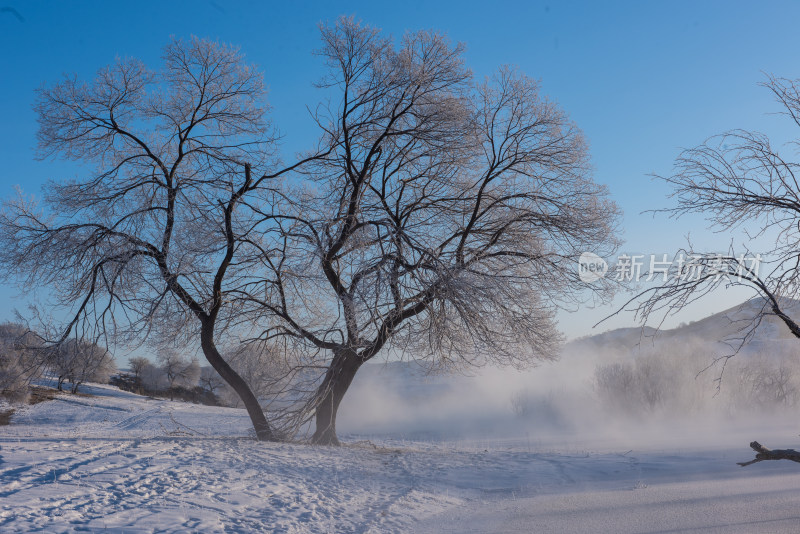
499 451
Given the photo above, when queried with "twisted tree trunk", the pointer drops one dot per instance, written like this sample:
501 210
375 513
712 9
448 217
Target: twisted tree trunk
329 395
263 430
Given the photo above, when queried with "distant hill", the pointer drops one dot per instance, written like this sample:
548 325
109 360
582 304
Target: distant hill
717 334
721 331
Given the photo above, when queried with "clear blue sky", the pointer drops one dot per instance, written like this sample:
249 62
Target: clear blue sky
641 78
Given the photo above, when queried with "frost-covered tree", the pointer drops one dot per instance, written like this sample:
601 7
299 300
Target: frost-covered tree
178 370
137 365
149 242
93 364
444 224
438 217
61 361
153 378
21 361
78 361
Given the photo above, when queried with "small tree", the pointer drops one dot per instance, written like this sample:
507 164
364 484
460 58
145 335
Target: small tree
210 380
62 361
92 364
137 365
615 384
153 379
77 361
21 361
179 371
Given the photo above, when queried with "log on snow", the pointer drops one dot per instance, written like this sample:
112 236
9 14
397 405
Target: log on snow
764 453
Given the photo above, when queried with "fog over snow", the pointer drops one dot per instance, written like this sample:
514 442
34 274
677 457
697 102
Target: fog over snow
497 451
676 384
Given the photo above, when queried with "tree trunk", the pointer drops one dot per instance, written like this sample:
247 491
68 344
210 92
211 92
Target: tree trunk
259 420
338 378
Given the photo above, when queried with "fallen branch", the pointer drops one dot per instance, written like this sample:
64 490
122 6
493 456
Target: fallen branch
764 453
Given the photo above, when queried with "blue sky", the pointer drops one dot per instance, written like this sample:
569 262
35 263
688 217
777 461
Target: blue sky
642 79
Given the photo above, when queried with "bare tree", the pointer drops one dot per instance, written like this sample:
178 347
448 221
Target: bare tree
444 224
149 243
21 361
179 371
738 179
137 365
210 380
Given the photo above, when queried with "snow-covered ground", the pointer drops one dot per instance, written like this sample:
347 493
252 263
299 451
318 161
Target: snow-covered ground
122 463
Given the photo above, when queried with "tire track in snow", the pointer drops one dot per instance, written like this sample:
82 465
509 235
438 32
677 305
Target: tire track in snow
54 473
100 453
132 422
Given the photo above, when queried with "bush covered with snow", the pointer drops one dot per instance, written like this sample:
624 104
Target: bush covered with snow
21 361
77 361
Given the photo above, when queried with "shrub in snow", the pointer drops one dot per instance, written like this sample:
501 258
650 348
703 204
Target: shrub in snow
13 380
78 361
20 361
